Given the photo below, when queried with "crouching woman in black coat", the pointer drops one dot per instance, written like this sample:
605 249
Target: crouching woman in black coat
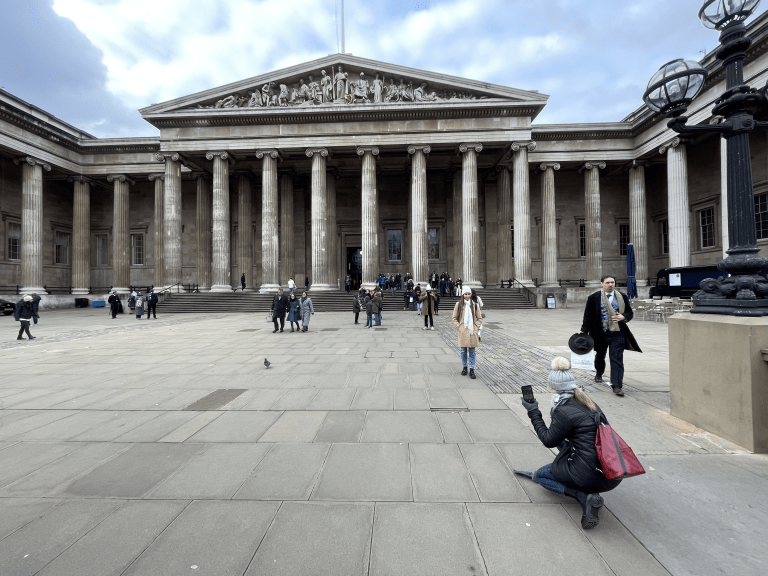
575 471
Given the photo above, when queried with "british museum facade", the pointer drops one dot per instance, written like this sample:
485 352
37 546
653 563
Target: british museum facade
345 165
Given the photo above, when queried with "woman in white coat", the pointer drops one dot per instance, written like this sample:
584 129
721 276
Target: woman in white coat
306 309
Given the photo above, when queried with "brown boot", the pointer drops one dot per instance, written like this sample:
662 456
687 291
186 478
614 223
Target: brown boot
291 328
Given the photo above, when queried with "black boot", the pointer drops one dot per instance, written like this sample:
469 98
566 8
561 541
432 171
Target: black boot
590 507
464 371
472 373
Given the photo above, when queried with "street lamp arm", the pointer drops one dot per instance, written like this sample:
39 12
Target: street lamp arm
678 124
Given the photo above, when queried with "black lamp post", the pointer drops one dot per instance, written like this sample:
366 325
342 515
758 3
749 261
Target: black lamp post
670 91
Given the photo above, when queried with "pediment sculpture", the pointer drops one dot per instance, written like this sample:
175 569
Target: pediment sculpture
338 88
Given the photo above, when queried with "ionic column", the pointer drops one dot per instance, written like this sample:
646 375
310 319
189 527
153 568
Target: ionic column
121 233
244 232
286 225
370 209
159 180
171 218
549 225
638 230
418 217
270 244
592 228
204 225
32 223
470 215
320 268
504 206
333 248
522 210
81 235
220 266
677 203
458 234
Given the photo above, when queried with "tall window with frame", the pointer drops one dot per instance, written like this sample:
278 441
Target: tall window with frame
707 228
62 248
433 243
761 216
395 245
664 236
14 241
102 250
582 240
623 239
137 249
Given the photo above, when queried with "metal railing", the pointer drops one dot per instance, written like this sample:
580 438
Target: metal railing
11 288
528 294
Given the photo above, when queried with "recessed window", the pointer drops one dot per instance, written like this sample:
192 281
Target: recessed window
14 241
582 240
623 239
761 216
62 248
707 228
137 249
433 243
102 250
664 236
395 245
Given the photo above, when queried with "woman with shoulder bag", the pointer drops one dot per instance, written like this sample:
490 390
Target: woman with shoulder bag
469 322
576 470
293 312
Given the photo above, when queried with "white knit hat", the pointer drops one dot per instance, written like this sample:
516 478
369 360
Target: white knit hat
560 378
466 290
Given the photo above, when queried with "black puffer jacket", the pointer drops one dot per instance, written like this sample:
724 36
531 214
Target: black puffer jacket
24 311
577 464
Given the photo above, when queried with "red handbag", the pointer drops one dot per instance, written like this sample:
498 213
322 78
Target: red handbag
616 457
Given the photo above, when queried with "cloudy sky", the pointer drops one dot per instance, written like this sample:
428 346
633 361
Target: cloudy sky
93 63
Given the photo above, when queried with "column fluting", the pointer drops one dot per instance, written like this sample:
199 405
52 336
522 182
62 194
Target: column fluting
244 232
121 233
270 244
204 224
333 259
220 238
287 257
678 216
158 236
370 215
418 216
32 224
592 223
320 268
638 231
172 218
458 234
549 225
81 235
504 206
522 210
470 215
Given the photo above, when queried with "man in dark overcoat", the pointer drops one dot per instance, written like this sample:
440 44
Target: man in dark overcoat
605 319
279 307
114 304
151 305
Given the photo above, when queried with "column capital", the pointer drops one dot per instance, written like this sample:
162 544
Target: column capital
516 146
674 143
636 163
153 177
325 152
222 154
544 165
32 162
273 153
599 164
426 148
120 178
464 146
163 156
361 150
80 178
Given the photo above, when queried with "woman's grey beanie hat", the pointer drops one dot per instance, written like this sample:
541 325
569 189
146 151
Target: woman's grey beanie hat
560 378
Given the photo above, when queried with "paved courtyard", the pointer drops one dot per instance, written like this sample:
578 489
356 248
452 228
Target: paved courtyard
166 447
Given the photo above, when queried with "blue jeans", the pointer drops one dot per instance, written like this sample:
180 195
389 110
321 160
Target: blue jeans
419 307
369 320
468 356
378 318
544 478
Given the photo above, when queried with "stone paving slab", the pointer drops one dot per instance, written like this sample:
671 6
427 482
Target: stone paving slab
69 427
295 427
397 426
440 475
496 426
239 426
17 512
24 457
493 480
332 399
376 399
340 427
188 429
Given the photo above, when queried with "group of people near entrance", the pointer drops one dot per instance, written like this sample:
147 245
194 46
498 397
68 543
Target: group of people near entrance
297 310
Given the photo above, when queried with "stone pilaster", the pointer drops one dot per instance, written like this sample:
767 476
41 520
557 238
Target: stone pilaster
220 267
638 229
458 234
333 247
548 225
171 217
370 209
81 235
678 214
522 210
32 223
159 180
270 244
592 226
121 233
418 216
287 259
470 215
204 224
504 207
244 233
320 268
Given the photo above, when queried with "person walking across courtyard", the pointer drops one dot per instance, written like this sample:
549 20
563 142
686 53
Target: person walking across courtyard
348 283
291 285
468 321
293 312
429 299
307 309
279 308
576 470
605 319
24 313
114 304
151 305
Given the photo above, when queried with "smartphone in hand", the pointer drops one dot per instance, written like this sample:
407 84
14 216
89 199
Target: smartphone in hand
528 394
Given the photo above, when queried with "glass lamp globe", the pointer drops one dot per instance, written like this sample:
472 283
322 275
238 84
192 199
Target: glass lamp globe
719 14
674 86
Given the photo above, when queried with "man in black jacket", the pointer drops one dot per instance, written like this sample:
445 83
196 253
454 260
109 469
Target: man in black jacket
151 305
605 319
279 306
24 312
114 304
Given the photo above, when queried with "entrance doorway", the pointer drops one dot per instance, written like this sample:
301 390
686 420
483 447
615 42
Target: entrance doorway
355 265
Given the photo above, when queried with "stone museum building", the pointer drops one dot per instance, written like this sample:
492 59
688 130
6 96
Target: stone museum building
345 165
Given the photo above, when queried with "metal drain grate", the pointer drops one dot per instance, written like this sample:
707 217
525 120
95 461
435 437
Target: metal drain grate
249 330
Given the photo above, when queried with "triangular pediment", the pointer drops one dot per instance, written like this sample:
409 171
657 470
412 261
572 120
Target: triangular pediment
343 80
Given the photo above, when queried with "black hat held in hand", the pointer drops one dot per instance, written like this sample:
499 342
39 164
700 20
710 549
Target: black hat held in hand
581 343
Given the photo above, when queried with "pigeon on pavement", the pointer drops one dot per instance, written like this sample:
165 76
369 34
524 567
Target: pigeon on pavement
266 362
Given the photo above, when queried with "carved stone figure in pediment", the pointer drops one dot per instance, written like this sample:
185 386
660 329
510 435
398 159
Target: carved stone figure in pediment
314 94
406 93
420 94
393 94
282 99
341 85
228 102
267 96
360 89
378 90
327 86
255 99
